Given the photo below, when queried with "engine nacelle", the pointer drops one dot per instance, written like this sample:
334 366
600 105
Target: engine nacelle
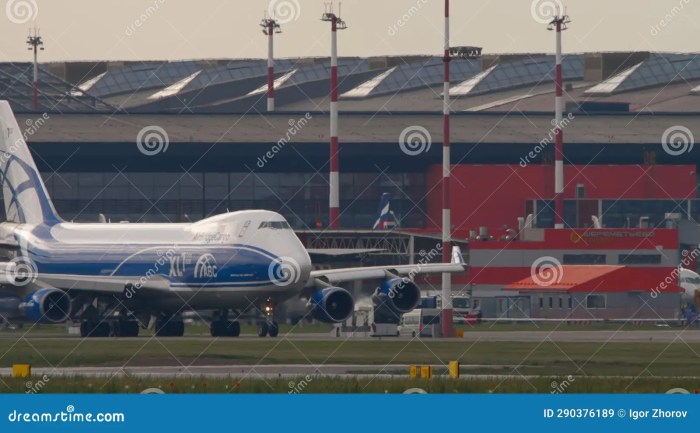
394 298
47 306
331 305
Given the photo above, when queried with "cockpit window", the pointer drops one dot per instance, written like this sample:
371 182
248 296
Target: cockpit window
277 225
691 280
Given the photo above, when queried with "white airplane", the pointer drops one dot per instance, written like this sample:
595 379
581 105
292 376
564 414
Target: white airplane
690 283
109 277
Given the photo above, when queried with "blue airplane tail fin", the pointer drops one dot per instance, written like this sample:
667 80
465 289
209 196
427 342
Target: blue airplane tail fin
385 217
24 193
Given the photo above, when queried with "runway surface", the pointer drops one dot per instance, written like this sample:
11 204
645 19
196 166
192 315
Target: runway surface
660 336
284 371
592 336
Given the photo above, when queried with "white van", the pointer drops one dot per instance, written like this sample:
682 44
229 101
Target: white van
422 322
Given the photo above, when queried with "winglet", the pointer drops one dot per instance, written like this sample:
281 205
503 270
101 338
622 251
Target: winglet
457 256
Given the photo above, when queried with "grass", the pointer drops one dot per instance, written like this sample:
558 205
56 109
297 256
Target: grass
543 358
306 385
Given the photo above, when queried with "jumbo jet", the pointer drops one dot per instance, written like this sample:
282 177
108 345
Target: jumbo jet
111 278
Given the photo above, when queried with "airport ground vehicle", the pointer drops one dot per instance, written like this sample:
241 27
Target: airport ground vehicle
421 322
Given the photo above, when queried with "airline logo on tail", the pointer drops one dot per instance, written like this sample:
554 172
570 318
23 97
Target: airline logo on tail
386 219
26 199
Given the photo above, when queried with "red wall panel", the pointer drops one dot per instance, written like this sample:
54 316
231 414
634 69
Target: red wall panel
495 195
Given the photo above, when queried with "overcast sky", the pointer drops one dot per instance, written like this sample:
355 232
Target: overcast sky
187 29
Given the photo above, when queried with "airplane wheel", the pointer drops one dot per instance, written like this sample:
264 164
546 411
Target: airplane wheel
216 329
125 328
178 328
85 329
233 328
273 329
100 330
170 328
263 328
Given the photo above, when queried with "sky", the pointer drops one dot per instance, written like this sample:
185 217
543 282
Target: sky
186 29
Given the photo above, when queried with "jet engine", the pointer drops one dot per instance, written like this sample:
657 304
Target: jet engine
47 305
393 298
331 305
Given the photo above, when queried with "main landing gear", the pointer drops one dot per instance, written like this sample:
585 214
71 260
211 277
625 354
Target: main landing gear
222 327
122 325
170 326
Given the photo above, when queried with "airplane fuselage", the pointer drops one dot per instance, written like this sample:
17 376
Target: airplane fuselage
233 260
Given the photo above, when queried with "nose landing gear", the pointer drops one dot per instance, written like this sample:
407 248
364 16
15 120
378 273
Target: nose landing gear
267 325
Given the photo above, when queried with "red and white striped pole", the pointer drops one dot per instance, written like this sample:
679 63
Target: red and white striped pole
447 328
35 97
334 209
35 43
270 67
559 24
270 27
334 197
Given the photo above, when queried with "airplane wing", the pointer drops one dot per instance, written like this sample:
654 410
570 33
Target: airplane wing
92 283
331 276
104 284
336 252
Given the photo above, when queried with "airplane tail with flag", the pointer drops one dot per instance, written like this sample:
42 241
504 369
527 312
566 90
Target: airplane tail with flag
386 219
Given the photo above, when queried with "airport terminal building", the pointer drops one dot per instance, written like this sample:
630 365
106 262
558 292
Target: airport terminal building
630 159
